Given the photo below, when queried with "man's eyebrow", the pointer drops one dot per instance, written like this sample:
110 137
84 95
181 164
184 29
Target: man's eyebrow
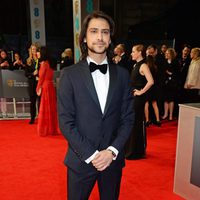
99 28
93 28
105 29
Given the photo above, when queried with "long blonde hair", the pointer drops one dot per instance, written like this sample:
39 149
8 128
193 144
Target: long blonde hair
31 55
196 53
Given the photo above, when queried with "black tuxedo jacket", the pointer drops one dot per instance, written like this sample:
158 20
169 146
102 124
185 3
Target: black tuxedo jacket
81 120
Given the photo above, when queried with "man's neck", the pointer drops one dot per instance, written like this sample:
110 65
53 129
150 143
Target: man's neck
98 58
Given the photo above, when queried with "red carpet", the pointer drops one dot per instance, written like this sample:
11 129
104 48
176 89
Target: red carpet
31 167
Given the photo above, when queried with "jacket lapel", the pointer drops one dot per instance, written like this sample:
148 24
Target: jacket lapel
87 78
112 86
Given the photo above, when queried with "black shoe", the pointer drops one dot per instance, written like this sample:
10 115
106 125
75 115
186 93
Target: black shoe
157 123
147 123
31 121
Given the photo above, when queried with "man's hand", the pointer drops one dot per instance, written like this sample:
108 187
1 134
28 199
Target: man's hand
102 160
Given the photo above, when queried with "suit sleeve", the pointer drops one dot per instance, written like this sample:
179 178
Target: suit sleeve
127 115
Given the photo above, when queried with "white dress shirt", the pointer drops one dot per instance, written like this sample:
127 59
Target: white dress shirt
101 83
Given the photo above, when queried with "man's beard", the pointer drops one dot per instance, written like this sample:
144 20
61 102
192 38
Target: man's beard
94 51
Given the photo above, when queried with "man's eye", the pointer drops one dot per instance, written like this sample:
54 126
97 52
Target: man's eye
106 32
93 31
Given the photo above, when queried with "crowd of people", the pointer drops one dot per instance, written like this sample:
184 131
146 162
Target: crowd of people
176 79
174 83
162 79
175 76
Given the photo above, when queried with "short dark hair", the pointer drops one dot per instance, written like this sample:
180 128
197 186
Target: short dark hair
187 45
153 46
83 45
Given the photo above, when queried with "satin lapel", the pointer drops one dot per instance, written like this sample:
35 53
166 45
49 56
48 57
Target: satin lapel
112 85
87 78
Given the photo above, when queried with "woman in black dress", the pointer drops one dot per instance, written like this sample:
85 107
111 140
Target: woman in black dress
171 83
152 95
142 80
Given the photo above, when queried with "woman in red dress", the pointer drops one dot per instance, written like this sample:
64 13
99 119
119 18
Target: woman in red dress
47 117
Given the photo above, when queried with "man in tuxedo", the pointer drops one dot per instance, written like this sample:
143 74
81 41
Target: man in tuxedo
95 107
121 58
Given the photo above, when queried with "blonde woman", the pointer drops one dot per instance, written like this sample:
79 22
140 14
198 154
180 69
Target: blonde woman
31 72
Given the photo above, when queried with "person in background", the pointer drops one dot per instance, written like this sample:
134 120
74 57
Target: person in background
47 116
163 50
192 83
66 58
4 64
159 61
121 57
171 83
31 72
142 81
151 95
4 60
18 63
184 61
95 113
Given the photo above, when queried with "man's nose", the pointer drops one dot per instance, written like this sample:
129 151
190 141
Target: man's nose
100 35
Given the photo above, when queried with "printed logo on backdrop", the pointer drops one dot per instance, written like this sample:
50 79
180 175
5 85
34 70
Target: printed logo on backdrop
37 22
16 83
10 83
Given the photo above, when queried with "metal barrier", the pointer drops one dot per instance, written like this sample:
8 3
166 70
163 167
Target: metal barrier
14 98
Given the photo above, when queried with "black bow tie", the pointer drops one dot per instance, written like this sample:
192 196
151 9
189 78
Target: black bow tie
102 68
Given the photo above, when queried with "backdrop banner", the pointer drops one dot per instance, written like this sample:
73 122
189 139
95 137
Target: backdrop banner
14 84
